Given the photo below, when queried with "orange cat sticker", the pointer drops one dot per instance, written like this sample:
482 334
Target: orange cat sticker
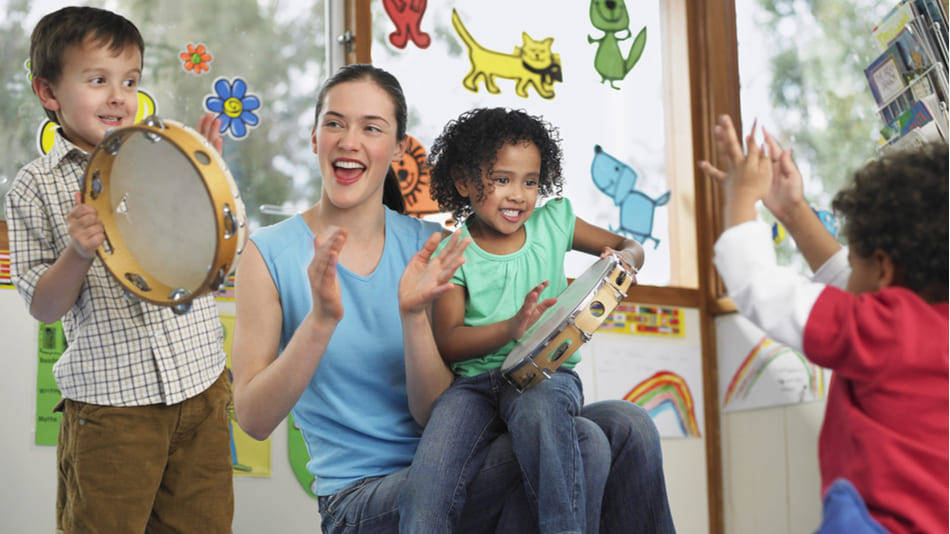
532 64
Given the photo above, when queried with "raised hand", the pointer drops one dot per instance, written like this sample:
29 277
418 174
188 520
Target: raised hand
785 194
208 127
632 257
324 285
425 277
530 311
86 231
747 176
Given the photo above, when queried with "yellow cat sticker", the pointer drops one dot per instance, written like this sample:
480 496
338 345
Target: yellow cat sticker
532 63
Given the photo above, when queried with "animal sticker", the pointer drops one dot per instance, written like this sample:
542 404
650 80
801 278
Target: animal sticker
618 181
532 63
407 15
611 17
46 133
413 174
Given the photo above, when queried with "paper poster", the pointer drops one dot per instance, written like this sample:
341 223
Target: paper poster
51 344
533 64
225 293
299 456
639 319
758 372
5 282
663 375
250 457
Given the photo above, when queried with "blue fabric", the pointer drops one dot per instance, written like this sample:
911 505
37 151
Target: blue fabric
844 511
634 498
541 422
354 414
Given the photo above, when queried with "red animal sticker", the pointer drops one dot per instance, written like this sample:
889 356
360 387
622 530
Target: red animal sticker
407 16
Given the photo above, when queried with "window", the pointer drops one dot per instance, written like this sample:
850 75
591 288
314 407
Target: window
801 67
643 123
277 48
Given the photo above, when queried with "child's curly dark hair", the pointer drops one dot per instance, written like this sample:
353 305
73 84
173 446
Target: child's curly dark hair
898 204
472 141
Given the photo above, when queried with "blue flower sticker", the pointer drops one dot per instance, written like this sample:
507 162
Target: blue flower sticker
233 106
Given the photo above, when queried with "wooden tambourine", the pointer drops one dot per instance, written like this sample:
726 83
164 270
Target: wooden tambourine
571 322
173 216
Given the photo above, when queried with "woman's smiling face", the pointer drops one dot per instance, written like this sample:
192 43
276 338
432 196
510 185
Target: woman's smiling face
355 142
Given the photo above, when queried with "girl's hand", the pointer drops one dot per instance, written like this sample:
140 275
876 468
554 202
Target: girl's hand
86 231
324 285
530 312
425 277
208 127
631 257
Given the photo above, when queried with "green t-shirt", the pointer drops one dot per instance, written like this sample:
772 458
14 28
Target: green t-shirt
497 284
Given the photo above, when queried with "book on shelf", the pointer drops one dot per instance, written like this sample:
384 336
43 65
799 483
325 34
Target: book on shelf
914 58
885 76
925 115
927 18
895 21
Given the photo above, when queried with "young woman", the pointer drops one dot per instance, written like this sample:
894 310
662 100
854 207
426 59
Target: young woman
341 294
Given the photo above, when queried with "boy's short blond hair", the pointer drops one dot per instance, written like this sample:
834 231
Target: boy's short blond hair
71 26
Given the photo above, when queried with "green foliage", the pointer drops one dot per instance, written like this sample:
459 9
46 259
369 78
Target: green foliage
20 111
820 100
276 47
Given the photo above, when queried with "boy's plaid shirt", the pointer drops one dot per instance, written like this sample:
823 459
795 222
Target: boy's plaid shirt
121 352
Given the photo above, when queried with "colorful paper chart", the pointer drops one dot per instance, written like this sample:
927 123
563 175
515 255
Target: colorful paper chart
50 346
643 320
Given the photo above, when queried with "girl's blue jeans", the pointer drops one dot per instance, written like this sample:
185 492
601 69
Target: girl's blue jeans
464 422
613 436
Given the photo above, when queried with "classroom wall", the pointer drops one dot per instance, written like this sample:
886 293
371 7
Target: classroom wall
771 481
770 468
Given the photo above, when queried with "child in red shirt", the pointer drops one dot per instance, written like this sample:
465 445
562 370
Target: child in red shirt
885 336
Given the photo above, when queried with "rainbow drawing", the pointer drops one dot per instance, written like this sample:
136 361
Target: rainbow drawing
763 354
666 390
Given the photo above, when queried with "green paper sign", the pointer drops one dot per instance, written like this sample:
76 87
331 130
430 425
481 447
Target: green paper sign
51 344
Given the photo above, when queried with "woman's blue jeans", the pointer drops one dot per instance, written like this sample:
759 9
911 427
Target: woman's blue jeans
616 435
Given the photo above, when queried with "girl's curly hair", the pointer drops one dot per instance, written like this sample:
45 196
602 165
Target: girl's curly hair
898 204
472 141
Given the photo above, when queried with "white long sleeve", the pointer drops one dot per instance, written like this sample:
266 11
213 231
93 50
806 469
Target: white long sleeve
777 299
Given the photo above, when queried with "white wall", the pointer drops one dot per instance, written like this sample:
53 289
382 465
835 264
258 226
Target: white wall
771 481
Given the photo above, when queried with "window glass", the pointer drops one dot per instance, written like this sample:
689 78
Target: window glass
628 117
275 48
801 70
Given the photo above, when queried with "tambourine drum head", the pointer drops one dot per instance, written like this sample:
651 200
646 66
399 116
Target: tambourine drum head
163 211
